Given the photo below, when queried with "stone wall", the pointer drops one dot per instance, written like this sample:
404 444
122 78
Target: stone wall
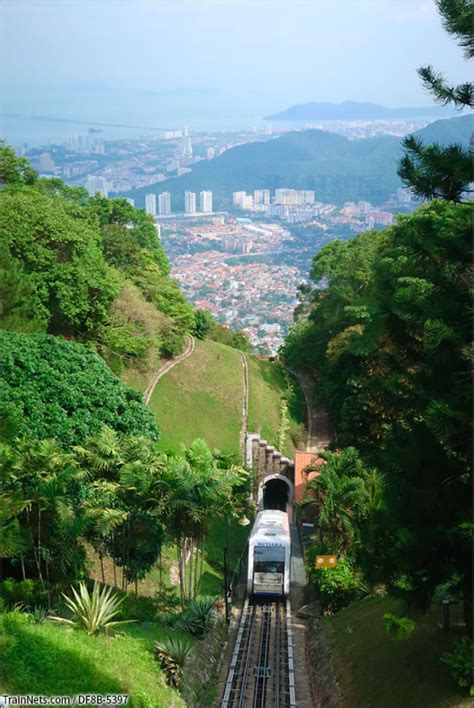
266 460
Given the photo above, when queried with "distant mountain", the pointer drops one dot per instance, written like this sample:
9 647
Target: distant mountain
454 130
352 110
337 168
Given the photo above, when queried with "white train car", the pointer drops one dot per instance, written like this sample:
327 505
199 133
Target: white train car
269 555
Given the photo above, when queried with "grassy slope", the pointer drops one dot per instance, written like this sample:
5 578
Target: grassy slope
201 398
268 387
376 671
50 659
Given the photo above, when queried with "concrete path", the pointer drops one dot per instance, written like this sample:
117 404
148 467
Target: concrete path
245 403
167 367
304 697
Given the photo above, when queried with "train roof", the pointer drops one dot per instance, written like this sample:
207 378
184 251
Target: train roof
271 526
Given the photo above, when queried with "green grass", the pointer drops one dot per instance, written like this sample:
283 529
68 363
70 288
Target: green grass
220 534
201 398
49 659
376 671
276 405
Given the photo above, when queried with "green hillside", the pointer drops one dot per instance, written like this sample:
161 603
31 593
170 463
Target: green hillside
337 168
276 406
203 396
373 669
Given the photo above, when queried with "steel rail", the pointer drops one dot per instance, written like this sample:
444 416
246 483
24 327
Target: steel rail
245 676
277 656
262 658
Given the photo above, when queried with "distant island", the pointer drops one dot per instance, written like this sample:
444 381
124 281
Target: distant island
353 110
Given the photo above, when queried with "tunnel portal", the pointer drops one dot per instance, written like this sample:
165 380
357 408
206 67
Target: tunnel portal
276 494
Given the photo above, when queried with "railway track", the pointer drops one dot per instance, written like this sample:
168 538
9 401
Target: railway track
261 669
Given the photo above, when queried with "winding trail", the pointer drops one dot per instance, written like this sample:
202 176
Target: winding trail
167 367
245 403
319 429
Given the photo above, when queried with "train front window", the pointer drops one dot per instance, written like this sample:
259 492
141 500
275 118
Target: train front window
269 566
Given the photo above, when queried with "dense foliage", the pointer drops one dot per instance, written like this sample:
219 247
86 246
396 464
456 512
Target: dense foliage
92 268
117 493
386 332
52 388
207 328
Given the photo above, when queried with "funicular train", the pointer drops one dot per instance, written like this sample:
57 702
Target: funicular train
269 555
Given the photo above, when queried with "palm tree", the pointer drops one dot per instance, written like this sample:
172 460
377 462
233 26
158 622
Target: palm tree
198 489
342 497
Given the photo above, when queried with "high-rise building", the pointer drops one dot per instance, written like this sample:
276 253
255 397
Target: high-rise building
237 198
46 163
205 202
96 185
187 146
150 204
190 202
164 203
247 202
210 152
294 197
261 196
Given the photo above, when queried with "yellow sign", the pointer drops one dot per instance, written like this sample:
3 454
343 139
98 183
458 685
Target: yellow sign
325 561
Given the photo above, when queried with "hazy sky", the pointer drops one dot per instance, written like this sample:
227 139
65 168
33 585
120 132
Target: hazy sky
257 55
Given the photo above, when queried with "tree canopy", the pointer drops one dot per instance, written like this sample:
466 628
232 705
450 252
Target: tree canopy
54 389
386 332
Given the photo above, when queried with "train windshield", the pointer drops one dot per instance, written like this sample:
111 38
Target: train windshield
269 567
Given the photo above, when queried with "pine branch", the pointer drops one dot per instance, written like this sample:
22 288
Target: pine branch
434 82
458 19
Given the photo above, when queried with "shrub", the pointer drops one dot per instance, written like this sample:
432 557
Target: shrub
459 661
171 653
197 618
398 627
93 611
27 592
336 587
138 607
52 388
200 615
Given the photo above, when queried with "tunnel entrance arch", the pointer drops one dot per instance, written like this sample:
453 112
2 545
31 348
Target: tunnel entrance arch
275 491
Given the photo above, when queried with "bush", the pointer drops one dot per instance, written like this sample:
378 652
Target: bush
52 388
25 592
197 618
93 611
171 653
459 661
336 587
398 627
138 607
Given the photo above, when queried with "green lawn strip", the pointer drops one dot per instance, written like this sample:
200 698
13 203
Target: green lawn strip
270 394
201 398
51 659
222 533
375 670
